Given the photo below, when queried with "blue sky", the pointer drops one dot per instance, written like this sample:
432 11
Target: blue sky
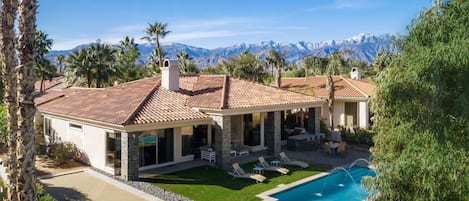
218 23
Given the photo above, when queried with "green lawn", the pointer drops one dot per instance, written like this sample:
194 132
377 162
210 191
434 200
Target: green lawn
209 183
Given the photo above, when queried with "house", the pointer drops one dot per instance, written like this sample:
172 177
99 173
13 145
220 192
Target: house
351 107
160 121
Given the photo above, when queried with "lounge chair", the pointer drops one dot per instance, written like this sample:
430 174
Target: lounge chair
288 161
238 172
268 167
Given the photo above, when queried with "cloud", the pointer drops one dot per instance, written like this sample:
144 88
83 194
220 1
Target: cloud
349 4
132 28
210 23
209 34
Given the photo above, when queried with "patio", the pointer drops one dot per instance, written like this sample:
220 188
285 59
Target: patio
318 156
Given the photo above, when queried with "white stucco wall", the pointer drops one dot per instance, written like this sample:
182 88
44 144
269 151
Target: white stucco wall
339 113
363 114
94 146
91 140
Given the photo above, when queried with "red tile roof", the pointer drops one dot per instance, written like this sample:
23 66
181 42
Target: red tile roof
145 101
317 86
55 83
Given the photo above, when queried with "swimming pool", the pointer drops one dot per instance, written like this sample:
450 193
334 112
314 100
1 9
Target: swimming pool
340 185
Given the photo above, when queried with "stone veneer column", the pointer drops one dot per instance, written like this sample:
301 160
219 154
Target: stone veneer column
129 156
311 120
317 117
269 127
277 133
222 140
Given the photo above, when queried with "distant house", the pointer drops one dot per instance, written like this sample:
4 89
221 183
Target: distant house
164 120
351 106
57 83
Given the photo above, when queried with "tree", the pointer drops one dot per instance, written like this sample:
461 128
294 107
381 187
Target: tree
421 111
60 61
186 65
127 55
333 68
8 58
103 61
318 65
153 33
95 64
277 60
43 68
26 178
79 63
383 60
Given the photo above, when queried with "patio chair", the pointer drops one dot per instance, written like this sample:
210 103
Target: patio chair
288 161
264 164
238 172
327 148
341 147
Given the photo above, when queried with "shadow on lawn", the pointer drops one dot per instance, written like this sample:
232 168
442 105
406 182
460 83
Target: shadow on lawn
207 175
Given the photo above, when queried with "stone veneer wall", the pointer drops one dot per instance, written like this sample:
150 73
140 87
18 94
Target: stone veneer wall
222 140
277 133
129 157
269 127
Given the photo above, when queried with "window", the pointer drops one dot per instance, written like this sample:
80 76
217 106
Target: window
75 126
252 129
47 127
186 137
113 150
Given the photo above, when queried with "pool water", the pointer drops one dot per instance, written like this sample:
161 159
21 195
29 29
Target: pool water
335 186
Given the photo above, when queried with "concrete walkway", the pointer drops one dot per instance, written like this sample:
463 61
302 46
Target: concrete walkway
88 185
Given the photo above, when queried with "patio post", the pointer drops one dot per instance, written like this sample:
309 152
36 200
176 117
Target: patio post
277 133
129 157
222 140
317 120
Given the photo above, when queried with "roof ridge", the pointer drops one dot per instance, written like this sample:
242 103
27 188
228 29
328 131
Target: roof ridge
223 93
355 87
140 104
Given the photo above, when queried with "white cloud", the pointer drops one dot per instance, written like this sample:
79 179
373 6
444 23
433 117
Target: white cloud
209 23
349 4
209 34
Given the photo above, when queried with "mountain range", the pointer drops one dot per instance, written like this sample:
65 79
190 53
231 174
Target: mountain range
364 46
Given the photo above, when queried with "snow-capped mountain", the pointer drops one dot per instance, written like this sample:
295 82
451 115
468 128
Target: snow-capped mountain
365 47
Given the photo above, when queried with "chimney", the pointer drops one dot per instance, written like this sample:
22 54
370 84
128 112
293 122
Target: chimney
170 75
355 73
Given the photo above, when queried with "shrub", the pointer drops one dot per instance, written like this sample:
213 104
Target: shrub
62 152
42 195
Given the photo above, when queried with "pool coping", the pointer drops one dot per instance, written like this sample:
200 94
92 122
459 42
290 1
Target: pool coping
266 195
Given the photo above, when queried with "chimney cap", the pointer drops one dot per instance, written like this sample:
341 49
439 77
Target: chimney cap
170 63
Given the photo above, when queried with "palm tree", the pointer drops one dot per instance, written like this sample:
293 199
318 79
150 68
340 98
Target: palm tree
43 68
42 44
79 63
60 61
8 56
102 60
277 60
335 63
127 55
153 33
186 65
25 143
